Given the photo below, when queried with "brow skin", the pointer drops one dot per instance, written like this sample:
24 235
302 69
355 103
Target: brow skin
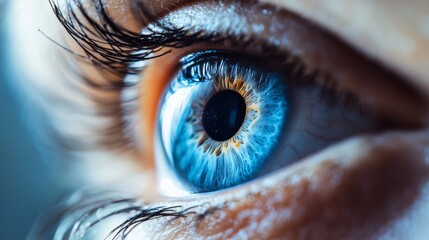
387 32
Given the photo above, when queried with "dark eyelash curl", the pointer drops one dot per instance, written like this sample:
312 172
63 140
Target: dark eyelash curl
111 48
80 213
92 32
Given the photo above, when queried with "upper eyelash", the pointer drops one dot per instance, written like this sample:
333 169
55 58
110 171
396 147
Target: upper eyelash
113 49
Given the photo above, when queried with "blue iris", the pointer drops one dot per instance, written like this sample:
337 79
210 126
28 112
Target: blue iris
221 119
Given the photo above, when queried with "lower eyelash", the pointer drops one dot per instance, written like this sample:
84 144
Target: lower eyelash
82 212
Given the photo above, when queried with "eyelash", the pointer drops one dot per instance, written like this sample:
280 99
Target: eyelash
83 210
116 61
127 47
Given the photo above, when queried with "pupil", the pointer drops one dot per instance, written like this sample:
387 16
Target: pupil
224 114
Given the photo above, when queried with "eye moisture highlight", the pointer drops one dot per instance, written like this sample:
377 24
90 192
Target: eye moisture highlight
217 117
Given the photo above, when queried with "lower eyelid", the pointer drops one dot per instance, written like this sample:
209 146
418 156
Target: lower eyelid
375 186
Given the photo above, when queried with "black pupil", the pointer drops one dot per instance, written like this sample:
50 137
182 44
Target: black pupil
224 114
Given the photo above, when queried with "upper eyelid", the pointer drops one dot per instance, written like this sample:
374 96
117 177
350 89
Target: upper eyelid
342 58
100 40
351 69
152 45
163 11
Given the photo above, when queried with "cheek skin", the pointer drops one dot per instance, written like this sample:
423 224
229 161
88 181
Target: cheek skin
332 195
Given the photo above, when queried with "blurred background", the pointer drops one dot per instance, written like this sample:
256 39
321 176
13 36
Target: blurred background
27 187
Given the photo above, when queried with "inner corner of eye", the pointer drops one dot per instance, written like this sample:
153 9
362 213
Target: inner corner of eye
224 120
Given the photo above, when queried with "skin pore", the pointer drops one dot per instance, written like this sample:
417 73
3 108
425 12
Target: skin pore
364 186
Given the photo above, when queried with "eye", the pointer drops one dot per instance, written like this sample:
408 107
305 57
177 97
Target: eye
280 89
221 118
303 90
227 118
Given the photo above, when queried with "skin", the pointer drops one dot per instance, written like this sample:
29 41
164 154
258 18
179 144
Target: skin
367 186
366 24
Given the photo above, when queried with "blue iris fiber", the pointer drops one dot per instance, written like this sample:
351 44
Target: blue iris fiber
206 164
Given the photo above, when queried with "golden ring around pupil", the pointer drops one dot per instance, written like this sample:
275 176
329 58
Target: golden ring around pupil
202 138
